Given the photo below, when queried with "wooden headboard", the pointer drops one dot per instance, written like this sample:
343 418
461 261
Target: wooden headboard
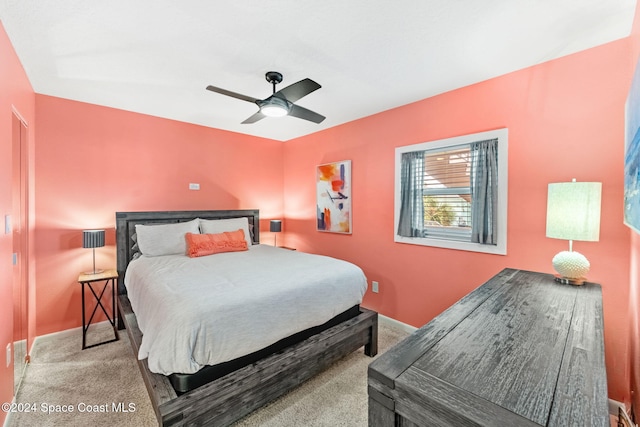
126 228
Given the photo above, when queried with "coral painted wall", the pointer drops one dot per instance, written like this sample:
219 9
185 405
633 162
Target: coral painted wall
92 161
16 95
634 292
565 120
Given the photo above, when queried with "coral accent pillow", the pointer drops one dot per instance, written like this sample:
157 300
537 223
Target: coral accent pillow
209 244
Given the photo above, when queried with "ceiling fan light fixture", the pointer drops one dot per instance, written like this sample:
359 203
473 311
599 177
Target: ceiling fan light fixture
274 107
281 102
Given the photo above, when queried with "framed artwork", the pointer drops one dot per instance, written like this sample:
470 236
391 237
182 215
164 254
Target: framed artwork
632 155
333 197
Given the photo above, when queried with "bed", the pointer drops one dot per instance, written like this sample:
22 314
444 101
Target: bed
224 392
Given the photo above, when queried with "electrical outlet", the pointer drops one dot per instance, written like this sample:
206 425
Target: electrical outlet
374 287
8 355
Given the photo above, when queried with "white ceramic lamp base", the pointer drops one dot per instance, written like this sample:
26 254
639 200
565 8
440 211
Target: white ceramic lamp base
571 266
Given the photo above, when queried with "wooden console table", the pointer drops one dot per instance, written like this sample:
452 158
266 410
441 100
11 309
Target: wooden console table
520 350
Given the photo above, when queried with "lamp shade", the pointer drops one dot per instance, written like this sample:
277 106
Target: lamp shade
573 211
275 226
92 238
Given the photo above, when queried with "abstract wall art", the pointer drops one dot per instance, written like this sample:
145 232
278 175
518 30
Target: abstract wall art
632 155
333 197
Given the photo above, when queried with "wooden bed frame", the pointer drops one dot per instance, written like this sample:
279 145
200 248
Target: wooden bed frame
231 397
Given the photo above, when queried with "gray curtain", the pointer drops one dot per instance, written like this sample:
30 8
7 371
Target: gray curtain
484 192
411 188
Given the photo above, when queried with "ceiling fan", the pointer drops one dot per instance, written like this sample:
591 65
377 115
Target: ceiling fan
280 103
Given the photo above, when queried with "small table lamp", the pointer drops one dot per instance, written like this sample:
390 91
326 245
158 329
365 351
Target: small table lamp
93 239
573 213
275 226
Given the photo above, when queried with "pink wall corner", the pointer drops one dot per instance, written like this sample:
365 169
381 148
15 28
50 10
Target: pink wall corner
92 161
16 95
565 120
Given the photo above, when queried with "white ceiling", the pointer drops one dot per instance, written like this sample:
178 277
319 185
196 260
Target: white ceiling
157 56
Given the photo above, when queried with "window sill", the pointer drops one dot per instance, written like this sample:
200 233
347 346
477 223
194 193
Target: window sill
499 249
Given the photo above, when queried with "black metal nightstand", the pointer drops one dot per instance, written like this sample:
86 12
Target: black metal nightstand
90 280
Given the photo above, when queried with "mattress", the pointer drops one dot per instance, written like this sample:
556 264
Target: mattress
203 311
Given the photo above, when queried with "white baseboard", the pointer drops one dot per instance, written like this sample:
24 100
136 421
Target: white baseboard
614 405
396 324
66 332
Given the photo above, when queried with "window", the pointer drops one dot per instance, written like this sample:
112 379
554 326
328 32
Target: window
452 193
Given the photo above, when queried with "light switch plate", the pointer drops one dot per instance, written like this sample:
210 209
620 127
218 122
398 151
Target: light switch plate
374 287
7 224
194 186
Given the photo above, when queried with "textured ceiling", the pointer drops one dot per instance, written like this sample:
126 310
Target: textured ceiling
157 57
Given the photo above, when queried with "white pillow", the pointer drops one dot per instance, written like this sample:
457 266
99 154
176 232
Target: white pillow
215 226
165 239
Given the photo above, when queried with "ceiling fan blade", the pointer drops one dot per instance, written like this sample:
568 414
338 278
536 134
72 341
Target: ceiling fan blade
303 113
294 92
257 116
232 94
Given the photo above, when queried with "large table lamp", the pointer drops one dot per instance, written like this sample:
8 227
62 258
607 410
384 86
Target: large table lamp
93 239
573 213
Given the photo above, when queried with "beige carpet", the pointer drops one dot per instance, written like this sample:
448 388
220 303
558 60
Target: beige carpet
98 383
